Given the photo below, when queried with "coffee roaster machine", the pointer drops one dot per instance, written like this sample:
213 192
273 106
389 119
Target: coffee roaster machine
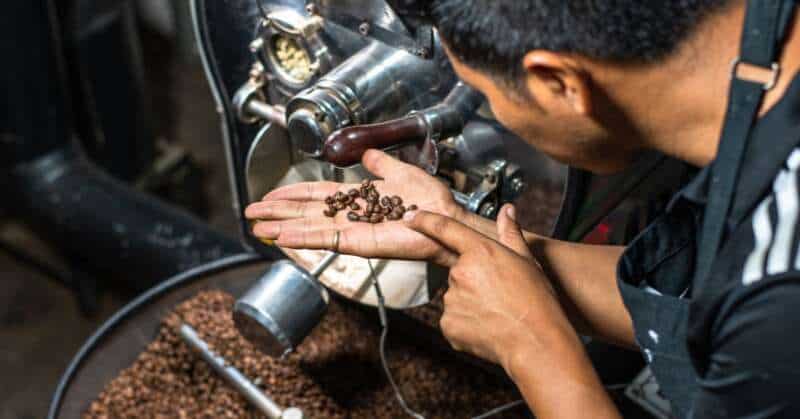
302 88
305 87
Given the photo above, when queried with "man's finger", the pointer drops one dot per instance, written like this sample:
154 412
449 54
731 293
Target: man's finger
273 229
351 241
317 239
455 328
307 191
385 166
509 233
281 210
447 231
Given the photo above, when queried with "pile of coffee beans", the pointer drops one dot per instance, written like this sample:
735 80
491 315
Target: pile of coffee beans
334 373
375 208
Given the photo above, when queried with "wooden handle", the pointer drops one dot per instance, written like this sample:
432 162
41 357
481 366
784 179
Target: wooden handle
345 147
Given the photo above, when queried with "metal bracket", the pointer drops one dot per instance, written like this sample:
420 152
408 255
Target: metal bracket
767 85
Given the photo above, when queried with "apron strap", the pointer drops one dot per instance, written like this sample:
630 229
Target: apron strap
765 26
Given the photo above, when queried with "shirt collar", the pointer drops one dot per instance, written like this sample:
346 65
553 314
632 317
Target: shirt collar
773 137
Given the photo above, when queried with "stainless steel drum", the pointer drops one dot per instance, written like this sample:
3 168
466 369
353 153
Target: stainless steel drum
117 343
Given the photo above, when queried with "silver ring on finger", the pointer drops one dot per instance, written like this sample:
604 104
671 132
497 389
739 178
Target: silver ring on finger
335 246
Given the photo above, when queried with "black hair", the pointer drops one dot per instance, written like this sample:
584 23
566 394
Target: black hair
494 35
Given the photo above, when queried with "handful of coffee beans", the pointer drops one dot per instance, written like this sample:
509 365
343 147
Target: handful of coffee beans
374 207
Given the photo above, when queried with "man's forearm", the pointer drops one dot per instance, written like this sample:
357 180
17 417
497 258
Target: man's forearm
557 380
585 278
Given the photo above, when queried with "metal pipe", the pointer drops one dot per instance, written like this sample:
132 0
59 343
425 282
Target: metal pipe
275 114
465 100
320 268
107 226
98 223
250 391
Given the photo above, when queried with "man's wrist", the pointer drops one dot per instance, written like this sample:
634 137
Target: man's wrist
557 378
540 347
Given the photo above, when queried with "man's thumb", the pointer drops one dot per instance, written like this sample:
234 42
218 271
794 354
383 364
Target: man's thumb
508 231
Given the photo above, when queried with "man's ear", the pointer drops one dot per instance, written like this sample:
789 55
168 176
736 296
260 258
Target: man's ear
557 82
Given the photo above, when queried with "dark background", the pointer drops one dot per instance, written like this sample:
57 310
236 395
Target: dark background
41 325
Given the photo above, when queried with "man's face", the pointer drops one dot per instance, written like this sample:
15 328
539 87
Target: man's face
556 115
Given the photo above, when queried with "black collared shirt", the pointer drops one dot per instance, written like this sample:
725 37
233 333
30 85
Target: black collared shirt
732 348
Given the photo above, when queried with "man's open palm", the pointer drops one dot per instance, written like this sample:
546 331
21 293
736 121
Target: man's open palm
293 215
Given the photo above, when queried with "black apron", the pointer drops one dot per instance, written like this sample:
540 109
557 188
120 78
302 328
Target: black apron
661 314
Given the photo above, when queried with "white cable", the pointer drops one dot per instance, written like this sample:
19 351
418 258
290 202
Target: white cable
382 351
382 346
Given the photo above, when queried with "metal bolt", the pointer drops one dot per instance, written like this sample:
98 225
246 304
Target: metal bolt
488 209
517 185
364 28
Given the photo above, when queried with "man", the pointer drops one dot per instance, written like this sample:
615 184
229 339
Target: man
594 84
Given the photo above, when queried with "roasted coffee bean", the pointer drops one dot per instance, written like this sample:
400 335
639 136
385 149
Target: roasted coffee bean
377 207
307 378
330 212
373 196
352 216
412 207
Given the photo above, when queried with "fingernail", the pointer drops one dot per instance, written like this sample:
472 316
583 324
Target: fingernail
409 215
511 212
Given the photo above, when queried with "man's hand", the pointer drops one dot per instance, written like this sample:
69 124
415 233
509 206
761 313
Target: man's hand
293 215
497 289
501 307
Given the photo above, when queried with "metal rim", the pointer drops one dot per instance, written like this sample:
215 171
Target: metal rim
134 306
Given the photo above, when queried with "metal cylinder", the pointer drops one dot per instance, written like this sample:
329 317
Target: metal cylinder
281 308
242 384
377 83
